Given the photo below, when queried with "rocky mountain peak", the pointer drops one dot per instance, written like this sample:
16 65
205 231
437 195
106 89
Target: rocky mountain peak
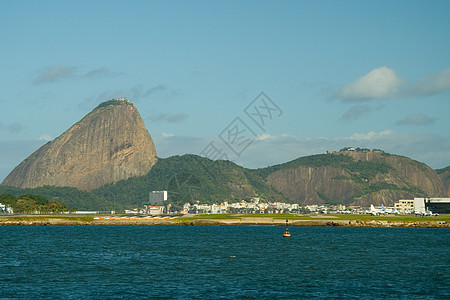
109 144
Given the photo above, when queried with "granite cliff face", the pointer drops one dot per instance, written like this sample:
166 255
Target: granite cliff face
109 144
355 178
445 177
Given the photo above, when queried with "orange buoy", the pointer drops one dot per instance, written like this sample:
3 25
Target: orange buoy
286 231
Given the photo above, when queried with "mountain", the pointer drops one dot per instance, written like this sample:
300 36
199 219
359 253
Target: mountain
353 177
445 177
109 144
361 177
187 178
350 176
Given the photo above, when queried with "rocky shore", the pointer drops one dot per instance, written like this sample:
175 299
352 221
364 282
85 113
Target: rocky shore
54 221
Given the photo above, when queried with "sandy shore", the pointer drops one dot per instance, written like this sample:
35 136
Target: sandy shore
55 221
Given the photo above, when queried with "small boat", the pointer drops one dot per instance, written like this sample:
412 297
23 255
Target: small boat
286 231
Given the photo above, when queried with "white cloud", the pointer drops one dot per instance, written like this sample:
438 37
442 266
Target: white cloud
167 134
264 136
383 83
45 137
430 85
370 136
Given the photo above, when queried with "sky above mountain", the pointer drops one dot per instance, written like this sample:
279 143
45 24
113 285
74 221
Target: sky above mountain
255 82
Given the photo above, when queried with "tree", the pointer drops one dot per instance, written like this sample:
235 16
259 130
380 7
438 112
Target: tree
8 199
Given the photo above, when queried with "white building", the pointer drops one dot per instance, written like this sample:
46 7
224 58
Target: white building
4 209
312 208
404 205
155 210
435 205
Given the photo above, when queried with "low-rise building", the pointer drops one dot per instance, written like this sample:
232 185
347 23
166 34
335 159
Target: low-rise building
423 204
438 205
155 210
5 209
404 205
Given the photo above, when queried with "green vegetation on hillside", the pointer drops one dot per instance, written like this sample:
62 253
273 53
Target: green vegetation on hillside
326 199
443 170
31 203
71 197
191 178
367 169
318 160
364 169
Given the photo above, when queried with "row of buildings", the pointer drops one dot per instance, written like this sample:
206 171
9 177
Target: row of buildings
424 206
157 205
252 206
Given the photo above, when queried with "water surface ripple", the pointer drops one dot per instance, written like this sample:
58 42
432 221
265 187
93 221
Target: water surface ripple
253 262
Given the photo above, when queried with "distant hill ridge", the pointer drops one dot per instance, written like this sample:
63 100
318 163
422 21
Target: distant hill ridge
344 177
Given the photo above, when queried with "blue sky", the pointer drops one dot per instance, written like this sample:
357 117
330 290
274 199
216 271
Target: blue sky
372 74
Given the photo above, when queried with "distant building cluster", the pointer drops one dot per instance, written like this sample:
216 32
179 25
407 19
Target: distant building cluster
157 205
352 149
417 206
5 209
253 206
256 206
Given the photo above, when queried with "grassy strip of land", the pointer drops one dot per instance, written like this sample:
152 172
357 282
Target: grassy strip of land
347 217
69 218
393 218
226 219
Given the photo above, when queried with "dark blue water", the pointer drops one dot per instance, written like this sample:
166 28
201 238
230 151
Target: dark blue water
224 262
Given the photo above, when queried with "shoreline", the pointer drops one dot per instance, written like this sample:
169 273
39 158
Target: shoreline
241 221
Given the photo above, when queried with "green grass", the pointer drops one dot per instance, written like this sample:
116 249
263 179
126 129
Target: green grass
397 218
291 217
206 217
350 217
82 218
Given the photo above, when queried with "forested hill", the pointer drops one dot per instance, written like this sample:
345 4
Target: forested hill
191 178
360 177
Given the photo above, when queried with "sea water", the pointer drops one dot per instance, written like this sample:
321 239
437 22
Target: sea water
256 262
